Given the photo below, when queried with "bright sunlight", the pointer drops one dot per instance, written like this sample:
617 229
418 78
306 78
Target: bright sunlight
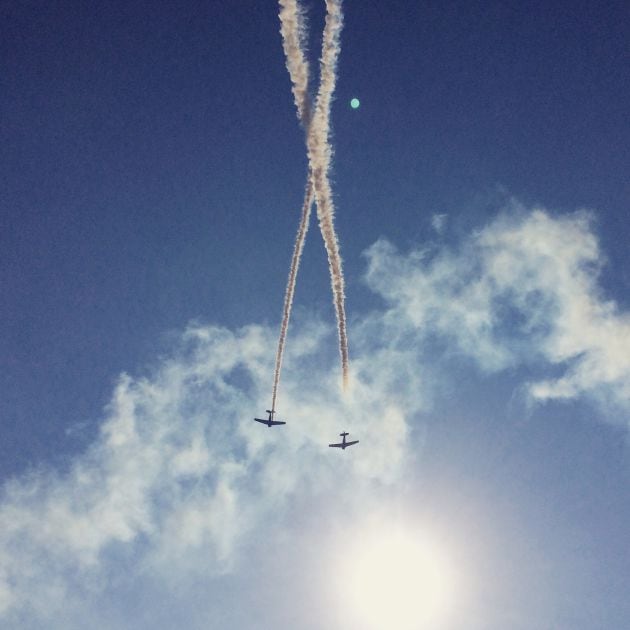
395 580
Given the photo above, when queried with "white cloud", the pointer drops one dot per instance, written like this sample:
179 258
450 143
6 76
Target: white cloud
180 471
180 478
438 222
523 289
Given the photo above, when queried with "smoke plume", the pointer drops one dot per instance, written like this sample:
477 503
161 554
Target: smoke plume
317 126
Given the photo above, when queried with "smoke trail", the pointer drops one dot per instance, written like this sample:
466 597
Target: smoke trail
293 40
290 290
293 32
319 151
319 154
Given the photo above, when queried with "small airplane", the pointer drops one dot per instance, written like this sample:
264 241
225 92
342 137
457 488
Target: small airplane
344 444
269 421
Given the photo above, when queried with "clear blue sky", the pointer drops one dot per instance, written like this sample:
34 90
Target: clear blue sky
151 173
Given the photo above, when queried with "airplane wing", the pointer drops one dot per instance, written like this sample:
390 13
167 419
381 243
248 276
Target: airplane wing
336 445
351 443
268 423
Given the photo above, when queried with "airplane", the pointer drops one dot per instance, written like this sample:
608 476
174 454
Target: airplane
343 445
269 421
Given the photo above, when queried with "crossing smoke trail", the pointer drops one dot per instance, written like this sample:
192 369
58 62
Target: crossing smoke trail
293 38
319 154
319 151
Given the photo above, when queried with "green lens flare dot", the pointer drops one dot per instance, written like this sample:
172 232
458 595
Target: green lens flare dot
354 103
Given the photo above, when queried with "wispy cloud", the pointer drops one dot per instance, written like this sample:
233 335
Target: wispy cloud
523 289
181 482
438 222
180 469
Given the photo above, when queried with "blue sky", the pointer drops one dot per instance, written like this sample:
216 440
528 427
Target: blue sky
152 171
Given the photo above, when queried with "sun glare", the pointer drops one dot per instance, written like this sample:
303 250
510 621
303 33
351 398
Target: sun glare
395 580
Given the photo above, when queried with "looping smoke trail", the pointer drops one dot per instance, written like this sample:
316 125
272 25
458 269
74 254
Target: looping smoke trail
317 125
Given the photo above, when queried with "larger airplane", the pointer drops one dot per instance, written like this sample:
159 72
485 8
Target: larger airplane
270 422
343 445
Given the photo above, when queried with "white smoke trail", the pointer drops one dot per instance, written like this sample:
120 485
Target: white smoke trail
319 154
293 30
318 186
290 290
293 42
